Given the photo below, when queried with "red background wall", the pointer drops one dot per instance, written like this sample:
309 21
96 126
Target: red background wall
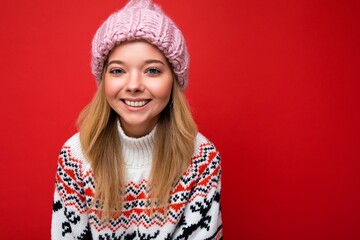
274 84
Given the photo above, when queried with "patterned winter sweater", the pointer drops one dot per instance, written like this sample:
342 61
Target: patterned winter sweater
194 211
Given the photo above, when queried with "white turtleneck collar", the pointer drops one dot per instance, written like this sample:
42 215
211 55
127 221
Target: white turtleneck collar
137 152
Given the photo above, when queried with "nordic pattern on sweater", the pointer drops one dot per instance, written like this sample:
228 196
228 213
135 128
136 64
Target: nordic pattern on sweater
194 211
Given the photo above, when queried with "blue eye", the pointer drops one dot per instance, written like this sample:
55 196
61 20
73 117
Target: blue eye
116 71
153 71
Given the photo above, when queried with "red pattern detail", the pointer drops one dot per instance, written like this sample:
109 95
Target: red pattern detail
219 235
138 212
69 190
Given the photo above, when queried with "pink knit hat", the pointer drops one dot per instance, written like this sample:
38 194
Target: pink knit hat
141 19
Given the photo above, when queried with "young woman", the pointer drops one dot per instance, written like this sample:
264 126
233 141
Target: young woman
138 168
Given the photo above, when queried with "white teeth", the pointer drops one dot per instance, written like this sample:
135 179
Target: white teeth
135 103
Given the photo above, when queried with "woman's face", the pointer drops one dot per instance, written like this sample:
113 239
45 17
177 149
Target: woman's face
138 83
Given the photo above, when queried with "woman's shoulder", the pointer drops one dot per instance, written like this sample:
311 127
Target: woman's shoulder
206 160
73 144
73 150
203 144
74 140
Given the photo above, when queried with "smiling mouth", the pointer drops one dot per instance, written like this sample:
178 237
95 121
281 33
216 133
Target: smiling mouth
136 103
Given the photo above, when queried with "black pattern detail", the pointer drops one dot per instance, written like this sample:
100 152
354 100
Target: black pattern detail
205 220
217 231
145 236
57 206
169 236
66 228
71 216
86 235
127 236
131 236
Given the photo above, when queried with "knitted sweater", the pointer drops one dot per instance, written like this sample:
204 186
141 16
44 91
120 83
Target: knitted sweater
194 211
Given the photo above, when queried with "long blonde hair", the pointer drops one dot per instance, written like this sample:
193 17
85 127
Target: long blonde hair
173 149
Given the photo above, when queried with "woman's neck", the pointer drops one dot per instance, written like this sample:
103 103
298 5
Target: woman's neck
137 152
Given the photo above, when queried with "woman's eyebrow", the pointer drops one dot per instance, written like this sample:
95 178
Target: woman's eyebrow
146 62
115 62
154 61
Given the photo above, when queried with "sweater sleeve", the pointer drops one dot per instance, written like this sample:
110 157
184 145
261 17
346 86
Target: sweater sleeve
69 217
202 214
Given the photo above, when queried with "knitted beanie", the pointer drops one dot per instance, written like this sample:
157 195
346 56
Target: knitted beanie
141 19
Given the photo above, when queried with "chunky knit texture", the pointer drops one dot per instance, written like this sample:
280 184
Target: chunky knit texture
194 211
141 19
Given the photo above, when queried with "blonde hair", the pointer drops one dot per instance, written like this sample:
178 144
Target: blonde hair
174 145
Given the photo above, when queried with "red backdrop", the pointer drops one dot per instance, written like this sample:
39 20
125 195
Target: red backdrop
274 84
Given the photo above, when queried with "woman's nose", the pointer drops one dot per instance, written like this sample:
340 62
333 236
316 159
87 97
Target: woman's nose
134 82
